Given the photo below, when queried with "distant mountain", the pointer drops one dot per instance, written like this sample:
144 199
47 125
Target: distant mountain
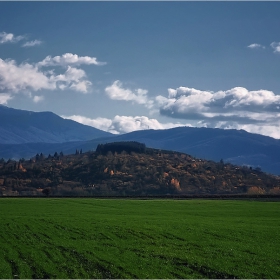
19 127
130 168
47 133
235 146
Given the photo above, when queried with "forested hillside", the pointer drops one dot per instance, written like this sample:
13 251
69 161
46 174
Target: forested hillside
129 168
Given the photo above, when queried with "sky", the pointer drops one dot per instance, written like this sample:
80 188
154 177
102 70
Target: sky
126 66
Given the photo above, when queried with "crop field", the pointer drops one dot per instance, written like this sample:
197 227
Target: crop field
118 238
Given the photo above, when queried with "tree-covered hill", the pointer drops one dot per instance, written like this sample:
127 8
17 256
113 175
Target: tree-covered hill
129 169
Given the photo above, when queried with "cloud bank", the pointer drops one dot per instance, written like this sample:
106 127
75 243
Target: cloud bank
235 108
123 124
256 111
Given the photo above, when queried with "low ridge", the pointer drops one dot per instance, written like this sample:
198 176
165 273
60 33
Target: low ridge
130 169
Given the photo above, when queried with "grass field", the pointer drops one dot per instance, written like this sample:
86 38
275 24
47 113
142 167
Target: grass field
103 238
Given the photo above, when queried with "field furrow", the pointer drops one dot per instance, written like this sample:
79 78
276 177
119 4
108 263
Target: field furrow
118 238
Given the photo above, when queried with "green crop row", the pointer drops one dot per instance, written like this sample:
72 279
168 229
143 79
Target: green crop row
118 238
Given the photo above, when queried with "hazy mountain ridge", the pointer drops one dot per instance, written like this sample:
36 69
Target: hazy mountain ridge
20 126
235 146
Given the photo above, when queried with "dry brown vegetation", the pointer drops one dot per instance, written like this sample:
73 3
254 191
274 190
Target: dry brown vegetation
129 173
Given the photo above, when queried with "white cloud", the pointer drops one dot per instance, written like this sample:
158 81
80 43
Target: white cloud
9 38
32 43
37 98
268 130
81 86
27 77
237 107
276 46
117 92
186 101
74 79
124 124
4 98
69 59
256 46
100 123
15 78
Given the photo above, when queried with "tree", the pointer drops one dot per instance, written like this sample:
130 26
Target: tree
258 169
37 157
46 191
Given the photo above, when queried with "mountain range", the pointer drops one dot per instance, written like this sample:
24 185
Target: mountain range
23 134
20 127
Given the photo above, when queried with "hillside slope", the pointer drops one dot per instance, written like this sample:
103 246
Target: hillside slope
234 146
20 127
135 172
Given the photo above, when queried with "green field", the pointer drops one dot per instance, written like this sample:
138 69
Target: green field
118 238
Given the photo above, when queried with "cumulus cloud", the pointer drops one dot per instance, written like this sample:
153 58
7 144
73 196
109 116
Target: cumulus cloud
69 59
32 77
117 92
37 98
100 123
74 79
4 98
27 77
276 46
81 86
237 107
186 101
123 124
32 43
9 38
256 46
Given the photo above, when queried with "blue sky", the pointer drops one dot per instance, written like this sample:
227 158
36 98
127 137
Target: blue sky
124 66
